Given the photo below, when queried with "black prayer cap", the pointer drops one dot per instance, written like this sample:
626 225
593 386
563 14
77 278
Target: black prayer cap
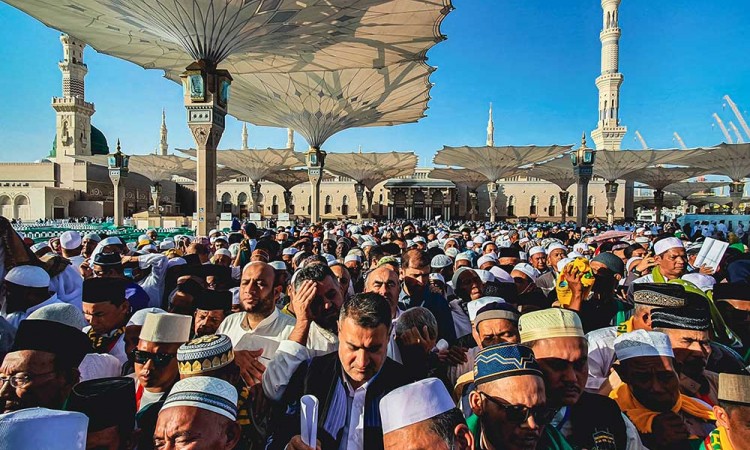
68 344
685 318
508 252
107 259
99 290
210 300
732 291
662 295
107 402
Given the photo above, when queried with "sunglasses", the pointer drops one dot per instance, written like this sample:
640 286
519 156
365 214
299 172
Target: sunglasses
520 414
159 359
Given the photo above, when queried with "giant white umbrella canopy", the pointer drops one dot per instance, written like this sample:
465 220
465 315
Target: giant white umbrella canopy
154 167
249 37
463 177
686 189
558 171
659 178
287 179
496 162
731 160
369 169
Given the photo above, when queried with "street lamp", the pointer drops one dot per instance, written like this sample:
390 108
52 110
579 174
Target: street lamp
736 190
118 169
315 159
583 168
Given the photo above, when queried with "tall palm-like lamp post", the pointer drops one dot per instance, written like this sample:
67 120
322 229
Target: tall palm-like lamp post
118 169
583 167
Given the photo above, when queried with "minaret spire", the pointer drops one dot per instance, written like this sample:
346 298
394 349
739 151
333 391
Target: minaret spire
289 138
490 130
608 133
244 136
163 134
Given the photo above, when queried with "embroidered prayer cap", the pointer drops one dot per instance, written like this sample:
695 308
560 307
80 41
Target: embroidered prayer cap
166 328
487 308
70 240
440 261
139 316
211 300
734 388
504 360
536 250
641 343
67 343
99 290
107 259
665 244
662 295
63 313
207 393
463 257
204 354
107 402
684 318
549 323
414 403
28 276
42 428
732 291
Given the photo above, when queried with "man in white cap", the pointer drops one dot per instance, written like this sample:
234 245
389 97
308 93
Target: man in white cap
201 411
43 429
670 259
586 420
423 415
538 258
71 245
732 414
650 394
555 253
26 290
88 244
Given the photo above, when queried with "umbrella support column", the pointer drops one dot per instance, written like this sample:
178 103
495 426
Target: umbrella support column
473 200
492 191
206 92
288 201
359 192
255 195
658 203
611 188
736 189
564 197
369 195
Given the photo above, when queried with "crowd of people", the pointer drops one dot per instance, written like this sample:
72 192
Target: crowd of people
382 335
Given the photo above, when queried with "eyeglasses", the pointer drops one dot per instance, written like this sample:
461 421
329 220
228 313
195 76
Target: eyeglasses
21 381
520 414
160 359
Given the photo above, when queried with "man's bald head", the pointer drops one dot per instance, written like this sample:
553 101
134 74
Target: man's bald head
257 288
384 281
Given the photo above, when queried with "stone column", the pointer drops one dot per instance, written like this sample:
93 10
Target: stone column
119 207
409 204
448 194
492 191
473 201
584 174
659 203
287 201
156 196
564 197
369 195
611 190
359 192
206 93
255 196
736 189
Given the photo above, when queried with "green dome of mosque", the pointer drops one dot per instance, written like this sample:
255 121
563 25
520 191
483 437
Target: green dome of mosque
98 141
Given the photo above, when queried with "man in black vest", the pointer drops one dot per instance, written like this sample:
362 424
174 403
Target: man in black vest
348 384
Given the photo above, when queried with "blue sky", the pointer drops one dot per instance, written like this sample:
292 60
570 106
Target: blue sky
536 61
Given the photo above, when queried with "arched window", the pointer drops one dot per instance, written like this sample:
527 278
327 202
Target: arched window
591 205
552 209
226 203
511 208
327 207
345 206
533 206
274 205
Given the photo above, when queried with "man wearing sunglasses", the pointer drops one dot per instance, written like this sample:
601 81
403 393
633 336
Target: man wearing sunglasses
585 420
509 402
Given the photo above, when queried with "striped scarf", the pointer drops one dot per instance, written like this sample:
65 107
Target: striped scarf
717 440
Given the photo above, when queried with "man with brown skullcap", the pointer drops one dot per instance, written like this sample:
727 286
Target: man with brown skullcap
732 414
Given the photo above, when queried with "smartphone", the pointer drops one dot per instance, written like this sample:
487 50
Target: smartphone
128 273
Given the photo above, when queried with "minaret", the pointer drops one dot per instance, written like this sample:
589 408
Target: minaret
290 138
163 141
73 121
244 135
608 133
490 130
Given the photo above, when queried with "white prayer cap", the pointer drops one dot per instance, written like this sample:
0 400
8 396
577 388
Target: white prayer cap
410 243
99 365
474 306
640 230
501 275
563 262
440 261
63 313
42 245
641 343
528 269
642 240
166 328
667 244
208 393
139 316
702 281
485 275
555 246
28 276
176 262
329 258
43 428
234 249
450 239
148 248
631 261
166 245
223 252
419 239
414 403
112 240
438 277
278 265
535 250
291 251
451 252
523 240
70 240
549 323
463 257
350 258
580 247
479 239
213 230
575 255
485 259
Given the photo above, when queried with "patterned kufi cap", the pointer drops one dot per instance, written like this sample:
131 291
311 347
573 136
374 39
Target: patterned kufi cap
204 354
549 323
207 393
663 295
504 360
